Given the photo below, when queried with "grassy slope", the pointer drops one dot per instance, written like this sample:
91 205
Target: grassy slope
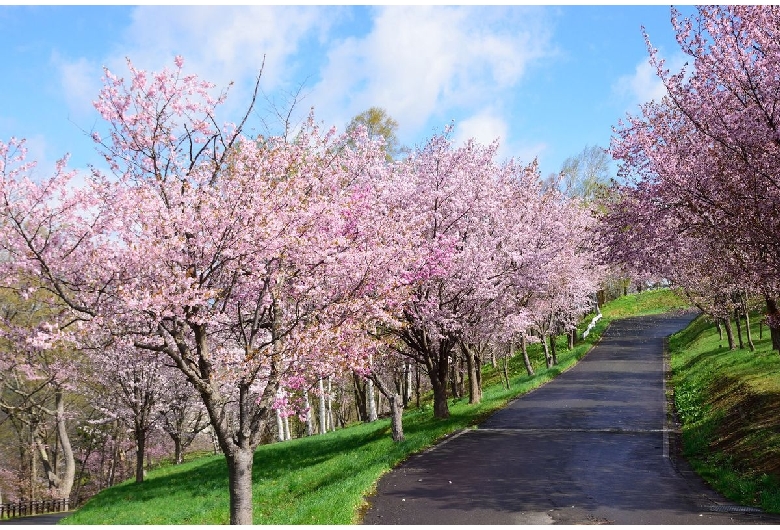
645 303
324 479
729 405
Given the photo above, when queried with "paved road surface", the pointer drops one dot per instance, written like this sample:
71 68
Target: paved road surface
589 447
50 518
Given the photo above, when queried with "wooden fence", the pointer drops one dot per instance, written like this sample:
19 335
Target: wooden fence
23 508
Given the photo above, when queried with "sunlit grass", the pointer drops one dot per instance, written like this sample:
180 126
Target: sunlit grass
650 302
320 479
729 403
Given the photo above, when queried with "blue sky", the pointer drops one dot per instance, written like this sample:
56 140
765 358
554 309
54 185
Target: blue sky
547 80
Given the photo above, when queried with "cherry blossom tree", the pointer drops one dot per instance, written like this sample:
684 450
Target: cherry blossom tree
570 275
709 150
180 413
127 385
37 370
256 265
247 262
480 232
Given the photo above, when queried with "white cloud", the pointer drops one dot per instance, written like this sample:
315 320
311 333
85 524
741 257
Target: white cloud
487 126
226 43
644 85
80 81
484 127
221 44
419 62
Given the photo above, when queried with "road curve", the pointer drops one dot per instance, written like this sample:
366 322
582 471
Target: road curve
592 446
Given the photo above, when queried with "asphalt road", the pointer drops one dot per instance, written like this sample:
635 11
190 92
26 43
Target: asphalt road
37 520
591 447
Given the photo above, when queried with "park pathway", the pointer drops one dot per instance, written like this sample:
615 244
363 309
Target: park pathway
592 446
36 520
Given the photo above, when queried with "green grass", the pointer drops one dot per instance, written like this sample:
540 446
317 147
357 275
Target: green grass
729 406
650 302
324 479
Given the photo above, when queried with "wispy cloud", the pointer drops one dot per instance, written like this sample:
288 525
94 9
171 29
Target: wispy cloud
643 85
80 82
489 125
221 44
418 62
485 127
226 43
427 64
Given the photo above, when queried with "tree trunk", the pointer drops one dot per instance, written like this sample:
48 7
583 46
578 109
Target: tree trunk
371 401
287 435
454 374
397 411
279 425
417 385
739 328
553 349
572 337
510 347
309 420
524 350
774 322
396 408
240 484
331 427
177 450
214 440
438 369
323 418
475 380
435 354
729 333
720 329
63 484
33 462
140 451
360 396
115 459
547 356
407 383
451 381
749 333
440 408
48 468
746 312
461 376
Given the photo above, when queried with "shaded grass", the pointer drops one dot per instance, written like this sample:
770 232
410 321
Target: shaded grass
324 479
729 406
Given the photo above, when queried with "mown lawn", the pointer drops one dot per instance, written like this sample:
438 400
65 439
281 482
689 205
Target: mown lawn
729 406
651 302
325 479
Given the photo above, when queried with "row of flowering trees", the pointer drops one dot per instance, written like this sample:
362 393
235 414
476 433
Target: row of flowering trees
701 204
253 267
